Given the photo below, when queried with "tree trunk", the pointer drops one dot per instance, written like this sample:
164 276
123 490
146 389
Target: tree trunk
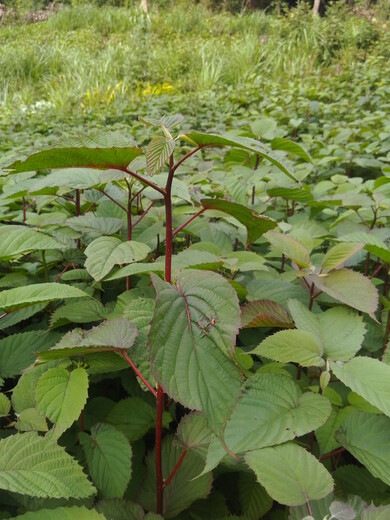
316 7
144 6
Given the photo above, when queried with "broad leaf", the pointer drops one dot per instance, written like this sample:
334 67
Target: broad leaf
36 466
255 223
157 153
264 313
182 490
19 351
191 343
5 405
115 509
245 143
299 194
106 252
95 225
280 143
19 297
348 287
108 455
376 513
368 377
31 420
75 178
84 156
289 247
279 412
80 311
366 437
60 396
254 500
17 240
325 434
297 346
290 474
63 513
339 254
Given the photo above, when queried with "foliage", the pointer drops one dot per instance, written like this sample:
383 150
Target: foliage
254 345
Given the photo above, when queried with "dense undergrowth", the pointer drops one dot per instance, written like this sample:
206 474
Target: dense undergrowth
197 327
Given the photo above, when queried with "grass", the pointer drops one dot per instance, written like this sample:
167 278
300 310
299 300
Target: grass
86 65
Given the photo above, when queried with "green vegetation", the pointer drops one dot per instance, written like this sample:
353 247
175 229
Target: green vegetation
196 326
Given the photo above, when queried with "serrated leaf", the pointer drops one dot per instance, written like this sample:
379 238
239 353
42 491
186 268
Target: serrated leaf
133 417
31 420
245 143
172 120
297 346
193 433
290 247
339 254
325 434
339 331
37 293
366 437
60 396
193 331
376 513
63 513
264 313
18 351
368 377
115 509
356 480
298 194
5 405
81 311
18 316
158 152
304 478
106 252
75 178
95 225
280 143
18 240
254 500
349 287
183 490
108 455
279 412
255 223
36 466
92 156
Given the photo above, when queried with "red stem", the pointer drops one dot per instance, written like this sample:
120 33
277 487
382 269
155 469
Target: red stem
174 469
144 213
159 477
62 272
81 421
184 158
113 200
332 453
193 217
144 181
138 373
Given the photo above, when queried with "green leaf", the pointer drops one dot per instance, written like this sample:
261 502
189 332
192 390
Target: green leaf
183 490
191 343
255 223
299 194
376 513
254 500
339 331
264 313
108 455
244 143
280 143
290 247
80 311
106 252
31 420
121 509
60 396
297 346
19 297
279 412
5 405
339 254
349 287
75 178
368 377
133 417
95 225
325 434
290 474
91 156
63 513
18 316
193 433
19 351
366 437
157 153
356 480
18 240
37 466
